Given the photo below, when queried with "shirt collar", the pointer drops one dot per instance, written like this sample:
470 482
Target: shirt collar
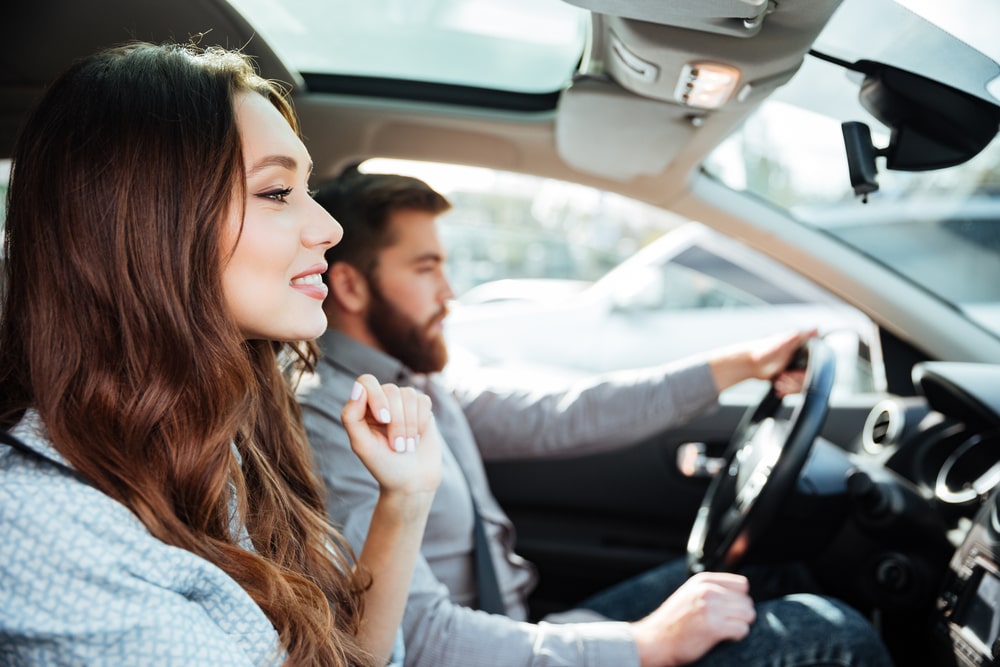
32 433
355 358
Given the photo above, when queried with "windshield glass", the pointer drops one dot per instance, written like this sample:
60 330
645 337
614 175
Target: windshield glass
530 46
940 229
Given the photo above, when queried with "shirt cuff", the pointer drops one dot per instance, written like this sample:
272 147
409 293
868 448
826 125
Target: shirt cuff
604 643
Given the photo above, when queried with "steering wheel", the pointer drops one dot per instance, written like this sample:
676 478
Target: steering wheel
760 467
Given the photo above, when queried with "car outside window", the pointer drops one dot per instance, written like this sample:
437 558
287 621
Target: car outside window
508 225
699 278
555 279
682 288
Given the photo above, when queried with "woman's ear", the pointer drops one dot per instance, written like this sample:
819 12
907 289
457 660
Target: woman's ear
348 288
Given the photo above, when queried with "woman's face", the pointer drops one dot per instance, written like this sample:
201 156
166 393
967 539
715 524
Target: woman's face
271 281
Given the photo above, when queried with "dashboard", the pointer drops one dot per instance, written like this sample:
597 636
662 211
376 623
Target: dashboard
945 446
969 603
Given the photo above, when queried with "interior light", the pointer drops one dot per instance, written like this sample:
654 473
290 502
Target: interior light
706 85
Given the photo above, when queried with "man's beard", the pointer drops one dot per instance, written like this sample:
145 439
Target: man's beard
404 339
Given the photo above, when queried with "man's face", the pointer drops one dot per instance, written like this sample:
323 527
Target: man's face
409 293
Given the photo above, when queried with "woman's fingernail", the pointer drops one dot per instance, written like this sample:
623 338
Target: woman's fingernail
399 444
411 445
356 391
383 415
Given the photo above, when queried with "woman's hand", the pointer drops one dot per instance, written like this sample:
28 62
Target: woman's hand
393 432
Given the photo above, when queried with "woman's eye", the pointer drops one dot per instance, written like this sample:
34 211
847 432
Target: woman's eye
278 195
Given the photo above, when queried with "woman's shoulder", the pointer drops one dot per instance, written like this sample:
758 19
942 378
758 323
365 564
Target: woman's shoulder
41 495
40 500
59 530
76 562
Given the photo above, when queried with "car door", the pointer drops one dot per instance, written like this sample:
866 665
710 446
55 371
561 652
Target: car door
591 521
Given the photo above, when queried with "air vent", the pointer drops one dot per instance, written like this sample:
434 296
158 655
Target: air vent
880 427
995 514
883 426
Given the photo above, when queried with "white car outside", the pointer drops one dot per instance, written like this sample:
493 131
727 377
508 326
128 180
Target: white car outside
690 291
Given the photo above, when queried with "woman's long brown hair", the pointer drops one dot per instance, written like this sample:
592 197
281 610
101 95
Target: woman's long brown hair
115 329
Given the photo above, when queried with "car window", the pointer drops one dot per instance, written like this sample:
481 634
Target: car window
545 262
676 286
726 284
508 225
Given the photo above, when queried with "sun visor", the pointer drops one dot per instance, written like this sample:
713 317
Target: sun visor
735 18
604 130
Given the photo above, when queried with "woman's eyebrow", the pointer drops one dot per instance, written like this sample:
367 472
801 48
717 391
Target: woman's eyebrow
282 161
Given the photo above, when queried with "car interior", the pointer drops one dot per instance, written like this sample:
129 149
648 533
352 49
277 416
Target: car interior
889 495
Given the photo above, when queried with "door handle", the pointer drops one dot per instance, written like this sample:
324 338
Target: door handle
692 460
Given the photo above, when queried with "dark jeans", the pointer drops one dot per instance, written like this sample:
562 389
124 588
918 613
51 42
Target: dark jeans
794 628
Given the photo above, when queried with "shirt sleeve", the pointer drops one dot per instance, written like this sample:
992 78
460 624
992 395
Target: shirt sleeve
594 415
442 633
438 631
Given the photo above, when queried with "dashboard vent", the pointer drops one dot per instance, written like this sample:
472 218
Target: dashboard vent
880 427
883 426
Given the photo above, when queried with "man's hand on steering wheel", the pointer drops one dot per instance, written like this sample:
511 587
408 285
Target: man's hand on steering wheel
764 458
772 358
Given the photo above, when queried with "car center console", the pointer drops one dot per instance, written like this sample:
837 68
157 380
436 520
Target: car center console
969 603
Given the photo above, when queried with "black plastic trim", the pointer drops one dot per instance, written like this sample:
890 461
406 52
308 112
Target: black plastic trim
423 91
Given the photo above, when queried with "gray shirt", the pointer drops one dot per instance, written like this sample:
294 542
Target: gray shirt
441 626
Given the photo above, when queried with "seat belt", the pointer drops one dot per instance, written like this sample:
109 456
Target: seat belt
490 598
448 411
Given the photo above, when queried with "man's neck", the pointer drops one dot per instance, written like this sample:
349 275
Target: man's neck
353 328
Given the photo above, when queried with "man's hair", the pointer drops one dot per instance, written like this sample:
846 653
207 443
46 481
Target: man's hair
363 204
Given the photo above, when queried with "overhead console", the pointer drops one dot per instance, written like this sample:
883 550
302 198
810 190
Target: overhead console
669 70
663 49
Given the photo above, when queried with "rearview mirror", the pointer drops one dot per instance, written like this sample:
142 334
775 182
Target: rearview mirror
932 124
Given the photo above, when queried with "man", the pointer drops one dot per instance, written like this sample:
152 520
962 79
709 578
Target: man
385 309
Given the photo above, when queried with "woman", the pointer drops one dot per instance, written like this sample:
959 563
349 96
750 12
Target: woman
163 256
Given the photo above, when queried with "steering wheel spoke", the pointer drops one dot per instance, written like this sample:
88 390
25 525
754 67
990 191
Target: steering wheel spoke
763 462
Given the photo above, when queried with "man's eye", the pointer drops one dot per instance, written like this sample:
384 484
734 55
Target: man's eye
278 195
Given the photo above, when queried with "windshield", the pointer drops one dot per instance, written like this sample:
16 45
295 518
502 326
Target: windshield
939 229
528 46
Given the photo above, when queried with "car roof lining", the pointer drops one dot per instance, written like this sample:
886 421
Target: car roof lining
62 31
